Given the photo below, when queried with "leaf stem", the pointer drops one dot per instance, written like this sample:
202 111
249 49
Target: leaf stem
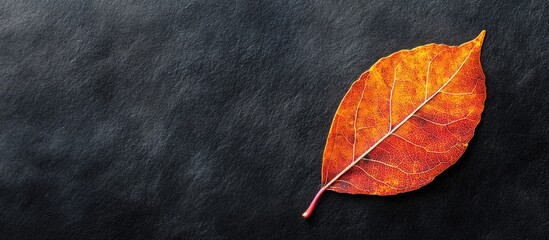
309 211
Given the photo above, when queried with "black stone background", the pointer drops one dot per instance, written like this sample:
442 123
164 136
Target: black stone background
207 119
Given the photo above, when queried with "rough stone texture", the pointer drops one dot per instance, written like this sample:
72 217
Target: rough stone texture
207 119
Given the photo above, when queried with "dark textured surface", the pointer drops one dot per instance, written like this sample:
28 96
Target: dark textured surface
207 120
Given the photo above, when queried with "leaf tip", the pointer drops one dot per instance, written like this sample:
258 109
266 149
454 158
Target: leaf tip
480 37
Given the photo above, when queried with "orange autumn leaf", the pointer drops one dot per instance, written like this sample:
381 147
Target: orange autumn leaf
404 121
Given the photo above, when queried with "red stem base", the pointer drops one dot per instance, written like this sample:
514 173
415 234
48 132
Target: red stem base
309 211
